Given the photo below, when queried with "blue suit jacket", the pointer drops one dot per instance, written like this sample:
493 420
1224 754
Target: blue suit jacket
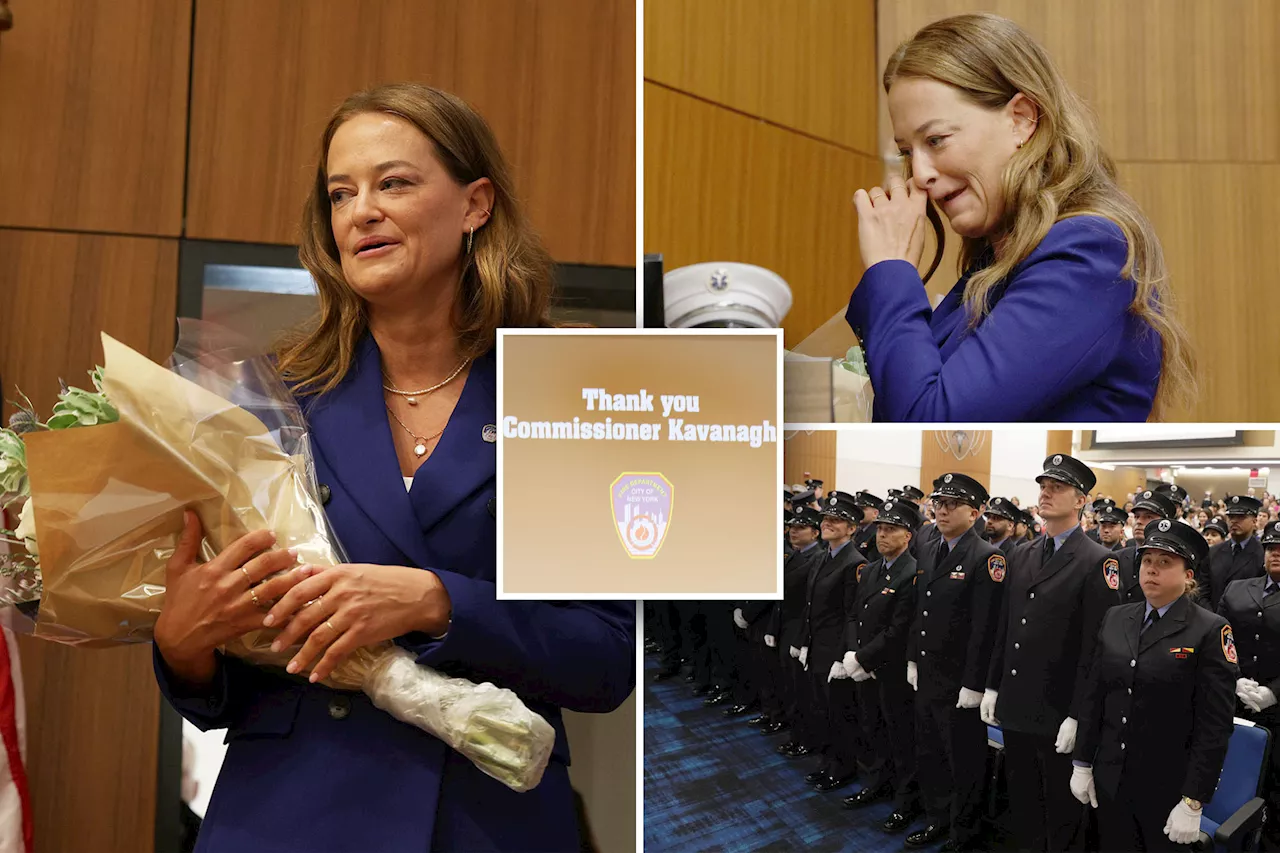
297 778
1058 345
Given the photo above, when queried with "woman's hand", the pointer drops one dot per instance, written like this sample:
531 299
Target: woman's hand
341 608
207 605
891 223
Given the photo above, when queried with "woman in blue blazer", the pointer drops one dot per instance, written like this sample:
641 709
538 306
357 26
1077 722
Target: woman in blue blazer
1063 311
419 253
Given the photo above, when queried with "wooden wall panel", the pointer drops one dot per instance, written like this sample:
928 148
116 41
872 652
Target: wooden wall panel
1169 80
807 66
92 714
723 186
1058 441
936 461
1119 483
556 81
94 117
810 455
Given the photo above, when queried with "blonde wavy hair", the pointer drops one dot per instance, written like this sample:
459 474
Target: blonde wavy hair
506 280
1060 172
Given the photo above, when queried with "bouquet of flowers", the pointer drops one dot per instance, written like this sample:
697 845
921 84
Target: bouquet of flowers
104 484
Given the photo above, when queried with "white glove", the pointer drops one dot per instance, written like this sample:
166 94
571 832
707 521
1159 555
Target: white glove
804 657
1066 741
771 641
988 708
1244 685
1262 697
837 671
855 669
1183 825
1082 786
794 652
912 674
969 698
739 619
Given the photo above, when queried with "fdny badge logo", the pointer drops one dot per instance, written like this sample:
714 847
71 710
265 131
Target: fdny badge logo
1111 571
1057 460
996 567
489 433
858 574
1228 644
1235 499
1163 526
1146 494
946 479
834 501
888 506
642 512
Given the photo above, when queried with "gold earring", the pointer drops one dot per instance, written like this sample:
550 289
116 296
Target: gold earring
1019 143
471 235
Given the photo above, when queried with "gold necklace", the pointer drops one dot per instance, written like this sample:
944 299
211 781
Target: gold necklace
419 442
411 396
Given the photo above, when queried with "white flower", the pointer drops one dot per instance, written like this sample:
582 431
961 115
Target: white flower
13 464
26 529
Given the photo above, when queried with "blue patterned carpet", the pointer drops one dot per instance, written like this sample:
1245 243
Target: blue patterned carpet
714 783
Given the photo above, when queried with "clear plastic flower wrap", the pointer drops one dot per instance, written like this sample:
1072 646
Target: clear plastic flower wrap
220 433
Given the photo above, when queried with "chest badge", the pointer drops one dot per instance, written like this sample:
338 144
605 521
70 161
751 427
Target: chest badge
489 433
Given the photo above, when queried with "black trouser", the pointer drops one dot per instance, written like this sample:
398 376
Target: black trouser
849 748
766 671
1136 821
723 644
666 630
819 716
951 761
693 639
1044 812
746 683
888 721
797 702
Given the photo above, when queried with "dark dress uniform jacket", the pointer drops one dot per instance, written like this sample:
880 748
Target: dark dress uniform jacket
957 605
1158 708
1048 627
824 624
1255 621
787 621
1129 589
1225 567
880 614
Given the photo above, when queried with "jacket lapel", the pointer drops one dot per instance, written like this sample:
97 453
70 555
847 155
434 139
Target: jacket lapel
1132 628
351 431
1172 621
463 462
1060 558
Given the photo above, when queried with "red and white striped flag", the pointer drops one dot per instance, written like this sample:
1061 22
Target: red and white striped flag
15 797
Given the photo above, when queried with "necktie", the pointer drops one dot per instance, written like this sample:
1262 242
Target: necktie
1236 548
943 550
1271 587
1048 547
1151 620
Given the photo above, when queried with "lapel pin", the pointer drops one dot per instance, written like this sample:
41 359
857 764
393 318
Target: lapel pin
489 433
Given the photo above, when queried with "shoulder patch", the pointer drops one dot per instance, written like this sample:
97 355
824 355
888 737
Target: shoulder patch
1111 572
861 566
996 567
1229 644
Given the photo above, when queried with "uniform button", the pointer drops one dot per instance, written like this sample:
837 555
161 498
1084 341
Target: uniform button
1013 672
1122 746
922 654
1259 614
339 707
927 594
922 633
1017 646
1256 637
1130 691
1024 621
926 613
1033 595
1124 720
865 606
859 624
1133 663
1255 658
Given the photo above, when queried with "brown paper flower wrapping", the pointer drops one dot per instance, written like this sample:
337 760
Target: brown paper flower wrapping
108 511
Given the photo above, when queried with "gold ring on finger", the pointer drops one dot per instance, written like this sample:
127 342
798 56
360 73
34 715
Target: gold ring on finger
330 624
246 575
254 595
313 601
